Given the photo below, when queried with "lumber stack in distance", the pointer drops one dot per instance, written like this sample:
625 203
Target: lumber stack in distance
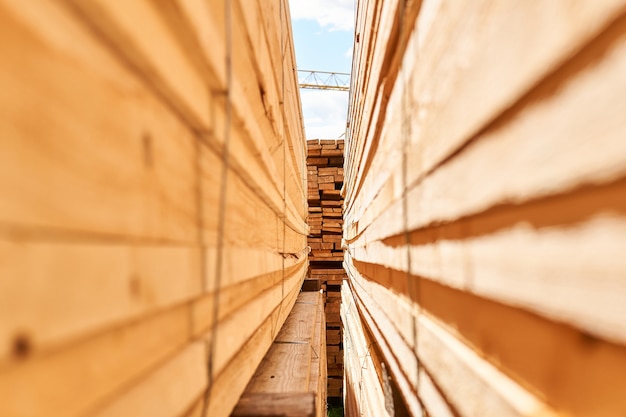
291 379
325 219
134 179
325 179
485 215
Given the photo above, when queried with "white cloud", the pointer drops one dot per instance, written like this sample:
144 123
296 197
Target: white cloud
334 14
325 113
348 53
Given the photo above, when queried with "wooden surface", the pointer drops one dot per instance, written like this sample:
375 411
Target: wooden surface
325 179
365 394
484 213
276 405
295 365
153 206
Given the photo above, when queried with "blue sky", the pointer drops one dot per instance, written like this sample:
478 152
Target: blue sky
320 49
323 37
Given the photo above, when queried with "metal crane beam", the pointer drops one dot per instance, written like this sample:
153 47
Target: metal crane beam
324 80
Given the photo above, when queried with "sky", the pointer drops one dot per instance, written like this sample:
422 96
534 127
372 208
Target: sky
323 35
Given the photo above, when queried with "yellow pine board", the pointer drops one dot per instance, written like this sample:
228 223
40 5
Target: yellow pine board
117 25
167 69
443 108
97 367
499 332
206 19
362 379
167 392
228 386
517 266
287 366
285 405
246 169
559 31
284 369
235 296
249 222
376 82
53 292
256 151
385 341
471 384
197 409
434 403
129 173
300 325
235 329
563 142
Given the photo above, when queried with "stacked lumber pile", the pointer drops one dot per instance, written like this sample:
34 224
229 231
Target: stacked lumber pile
485 212
152 203
364 364
291 379
325 180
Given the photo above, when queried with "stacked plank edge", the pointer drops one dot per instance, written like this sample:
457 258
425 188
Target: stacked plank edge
152 210
291 379
325 180
484 210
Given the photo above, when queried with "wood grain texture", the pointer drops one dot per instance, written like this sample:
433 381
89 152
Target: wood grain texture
484 204
152 210
294 364
277 405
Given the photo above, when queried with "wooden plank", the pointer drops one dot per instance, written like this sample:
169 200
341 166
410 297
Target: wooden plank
362 380
551 350
115 233
392 22
53 293
138 182
434 403
188 371
466 185
196 409
38 385
113 22
475 373
189 91
300 325
496 271
134 349
556 48
472 385
279 405
230 383
385 343
500 194
289 364
318 378
236 329
233 297
285 368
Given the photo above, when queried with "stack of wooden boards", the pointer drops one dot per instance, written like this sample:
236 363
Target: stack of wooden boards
485 211
291 379
152 203
325 180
